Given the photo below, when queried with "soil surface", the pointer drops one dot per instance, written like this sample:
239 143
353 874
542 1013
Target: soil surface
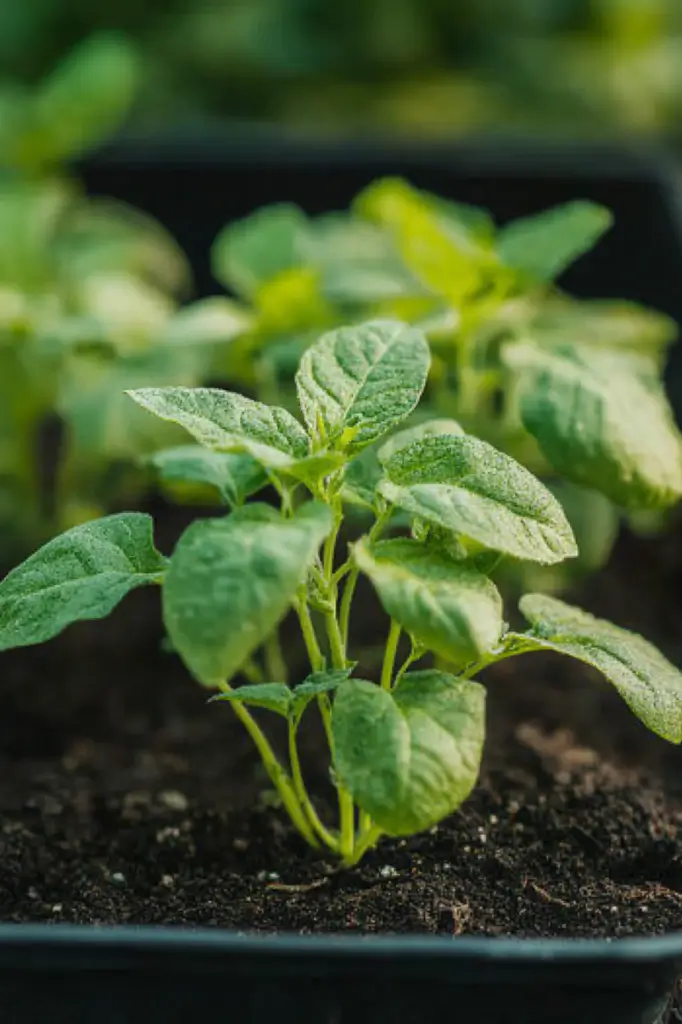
125 798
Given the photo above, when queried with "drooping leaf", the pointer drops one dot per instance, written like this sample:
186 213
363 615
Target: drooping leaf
271 696
249 252
542 246
362 381
231 580
82 574
599 424
448 607
645 679
431 428
227 421
467 486
411 756
235 475
315 685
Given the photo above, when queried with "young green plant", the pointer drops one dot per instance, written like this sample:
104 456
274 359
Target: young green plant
404 749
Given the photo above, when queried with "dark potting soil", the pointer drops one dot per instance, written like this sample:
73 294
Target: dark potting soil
125 798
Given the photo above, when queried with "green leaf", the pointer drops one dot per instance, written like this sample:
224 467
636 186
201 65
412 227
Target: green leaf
82 574
466 485
435 245
211 321
431 428
86 97
411 756
543 246
362 381
314 468
315 685
599 424
447 607
235 475
230 422
271 696
232 580
600 323
361 479
646 681
249 252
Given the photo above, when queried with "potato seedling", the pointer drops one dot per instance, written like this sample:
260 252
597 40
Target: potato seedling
404 749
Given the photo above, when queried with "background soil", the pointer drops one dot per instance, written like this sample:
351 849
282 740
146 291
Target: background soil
125 798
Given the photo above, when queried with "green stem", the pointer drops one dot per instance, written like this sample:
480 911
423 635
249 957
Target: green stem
315 655
337 647
274 659
365 841
346 602
279 778
390 653
302 793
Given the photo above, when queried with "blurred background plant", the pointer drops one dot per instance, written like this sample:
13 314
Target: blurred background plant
572 389
90 293
417 66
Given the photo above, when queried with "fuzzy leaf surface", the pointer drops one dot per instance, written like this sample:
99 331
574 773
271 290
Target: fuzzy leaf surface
227 421
469 487
82 574
362 380
449 608
231 581
411 756
600 425
648 683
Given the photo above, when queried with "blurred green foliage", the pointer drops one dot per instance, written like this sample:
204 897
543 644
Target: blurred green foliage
90 294
417 66
572 389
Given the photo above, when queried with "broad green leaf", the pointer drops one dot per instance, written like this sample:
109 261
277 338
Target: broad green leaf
543 246
467 486
411 756
431 428
229 422
361 381
448 607
231 580
599 424
271 696
249 252
603 324
314 686
439 248
235 475
293 302
647 682
85 98
211 321
361 479
82 574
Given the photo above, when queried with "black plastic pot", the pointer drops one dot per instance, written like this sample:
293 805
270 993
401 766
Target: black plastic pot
62 975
